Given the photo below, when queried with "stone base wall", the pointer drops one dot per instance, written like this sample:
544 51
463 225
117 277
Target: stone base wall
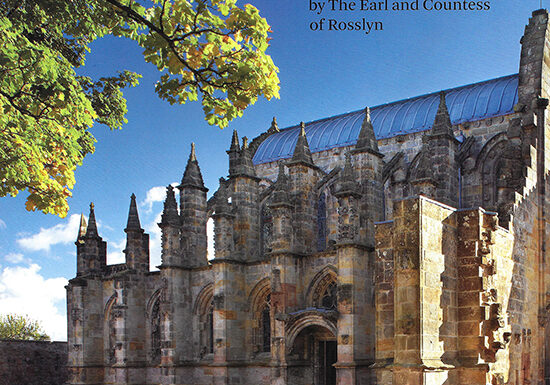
33 362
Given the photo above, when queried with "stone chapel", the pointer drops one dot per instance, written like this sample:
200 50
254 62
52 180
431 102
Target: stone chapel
398 245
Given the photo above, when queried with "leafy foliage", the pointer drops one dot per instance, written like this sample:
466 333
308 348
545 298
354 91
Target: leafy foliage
17 327
207 47
210 49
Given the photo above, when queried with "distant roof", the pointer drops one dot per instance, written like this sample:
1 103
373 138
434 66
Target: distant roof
469 103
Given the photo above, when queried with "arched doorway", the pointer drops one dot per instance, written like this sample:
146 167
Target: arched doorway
311 357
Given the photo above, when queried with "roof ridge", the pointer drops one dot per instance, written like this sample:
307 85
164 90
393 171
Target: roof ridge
400 101
470 102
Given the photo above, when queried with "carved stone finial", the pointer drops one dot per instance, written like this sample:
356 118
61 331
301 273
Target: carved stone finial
442 123
192 176
82 228
170 213
235 142
91 230
302 153
367 140
192 155
347 184
280 194
274 126
244 164
133 223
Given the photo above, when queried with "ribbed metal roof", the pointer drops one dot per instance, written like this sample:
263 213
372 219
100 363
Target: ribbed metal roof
465 104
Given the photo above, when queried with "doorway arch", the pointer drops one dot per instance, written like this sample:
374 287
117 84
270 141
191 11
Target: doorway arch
312 351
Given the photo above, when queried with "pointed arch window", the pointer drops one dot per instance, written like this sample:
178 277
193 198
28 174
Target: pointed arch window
325 294
261 314
204 318
110 329
155 332
207 329
266 325
329 299
322 223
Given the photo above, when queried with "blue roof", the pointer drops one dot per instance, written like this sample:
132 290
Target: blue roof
473 102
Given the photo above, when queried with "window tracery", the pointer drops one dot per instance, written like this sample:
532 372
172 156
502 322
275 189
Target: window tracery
204 313
329 299
266 325
110 329
260 299
155 332
325 294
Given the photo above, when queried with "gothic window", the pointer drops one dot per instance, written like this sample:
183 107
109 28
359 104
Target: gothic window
325 294
329 300
207 329
155 332
110 330
260 300
321 223
266 225
266 325
204 321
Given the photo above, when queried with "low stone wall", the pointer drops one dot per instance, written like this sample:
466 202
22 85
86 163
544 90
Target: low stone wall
33 362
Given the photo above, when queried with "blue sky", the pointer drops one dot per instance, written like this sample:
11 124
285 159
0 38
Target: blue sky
322 73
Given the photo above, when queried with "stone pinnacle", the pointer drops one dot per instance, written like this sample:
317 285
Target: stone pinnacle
133 223
91 230
192 176
302 152
367 139
442 123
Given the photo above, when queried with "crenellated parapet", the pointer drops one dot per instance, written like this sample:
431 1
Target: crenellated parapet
485 282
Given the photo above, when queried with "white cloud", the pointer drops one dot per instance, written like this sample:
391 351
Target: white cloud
154 195
23 290
2 224
15 258
114 252
62 233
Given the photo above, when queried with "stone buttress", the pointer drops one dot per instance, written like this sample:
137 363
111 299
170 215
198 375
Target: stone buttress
413 255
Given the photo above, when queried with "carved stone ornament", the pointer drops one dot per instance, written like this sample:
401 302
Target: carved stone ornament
347 223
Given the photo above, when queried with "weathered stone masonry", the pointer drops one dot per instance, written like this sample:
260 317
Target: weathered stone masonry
32 362
403 244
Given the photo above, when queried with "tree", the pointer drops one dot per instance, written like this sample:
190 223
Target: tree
208 49
17 327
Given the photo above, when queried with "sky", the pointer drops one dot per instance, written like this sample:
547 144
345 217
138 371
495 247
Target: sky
322 73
